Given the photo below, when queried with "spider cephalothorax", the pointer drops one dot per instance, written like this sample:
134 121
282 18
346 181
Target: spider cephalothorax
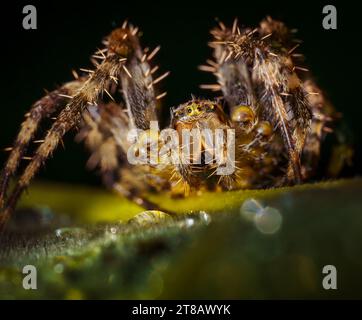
266 129
198 114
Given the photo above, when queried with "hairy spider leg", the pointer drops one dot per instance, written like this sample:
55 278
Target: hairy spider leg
43 108
99 80
105 129
252 71
104 133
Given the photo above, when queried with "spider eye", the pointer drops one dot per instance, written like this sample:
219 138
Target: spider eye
243 114
264 129
199 109
189 110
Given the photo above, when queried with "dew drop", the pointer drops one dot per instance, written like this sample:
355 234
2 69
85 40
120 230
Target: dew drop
250 208
205 217
268 220
69 232
189 222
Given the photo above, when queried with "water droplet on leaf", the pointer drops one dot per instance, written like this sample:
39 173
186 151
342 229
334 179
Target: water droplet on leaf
268 220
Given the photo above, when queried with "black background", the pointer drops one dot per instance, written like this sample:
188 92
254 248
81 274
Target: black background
69 32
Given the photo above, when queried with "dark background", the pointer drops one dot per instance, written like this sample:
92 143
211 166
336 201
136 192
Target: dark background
69 32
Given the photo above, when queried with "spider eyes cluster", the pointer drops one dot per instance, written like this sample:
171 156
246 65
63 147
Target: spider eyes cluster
194 108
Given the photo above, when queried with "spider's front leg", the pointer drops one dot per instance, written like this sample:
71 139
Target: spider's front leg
116 57
255 71
105 128
43 108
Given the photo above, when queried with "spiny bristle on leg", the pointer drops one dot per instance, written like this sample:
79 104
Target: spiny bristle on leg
43 108
122 47
254 68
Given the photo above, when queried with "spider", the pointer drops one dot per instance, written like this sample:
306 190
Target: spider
278 115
